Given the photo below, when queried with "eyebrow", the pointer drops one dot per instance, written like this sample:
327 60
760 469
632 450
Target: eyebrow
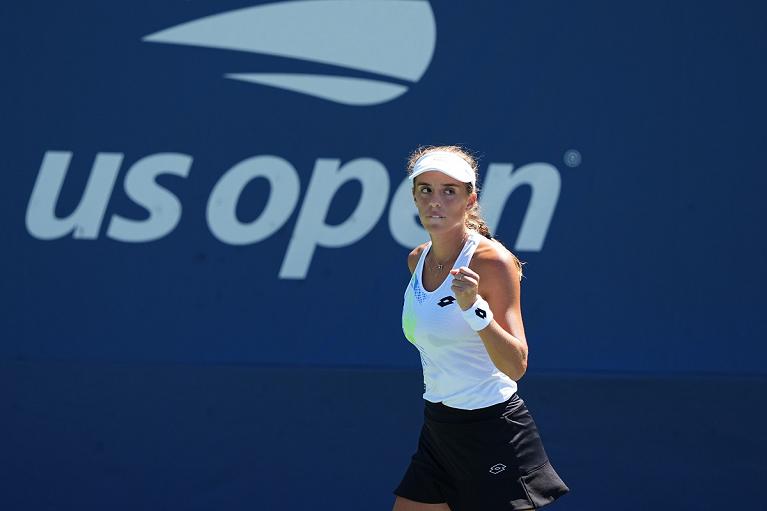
452 185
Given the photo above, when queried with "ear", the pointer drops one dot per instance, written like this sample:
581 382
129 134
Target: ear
472 200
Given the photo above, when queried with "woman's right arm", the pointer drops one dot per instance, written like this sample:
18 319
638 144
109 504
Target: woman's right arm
412 258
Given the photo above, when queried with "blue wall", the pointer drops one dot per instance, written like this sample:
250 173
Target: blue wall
248 241
126 436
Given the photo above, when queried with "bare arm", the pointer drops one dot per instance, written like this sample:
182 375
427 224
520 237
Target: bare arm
412 258
495 277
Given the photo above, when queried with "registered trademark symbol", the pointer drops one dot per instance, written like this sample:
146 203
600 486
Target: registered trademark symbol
572 158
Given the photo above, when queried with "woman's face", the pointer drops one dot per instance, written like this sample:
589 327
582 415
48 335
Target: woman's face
442 201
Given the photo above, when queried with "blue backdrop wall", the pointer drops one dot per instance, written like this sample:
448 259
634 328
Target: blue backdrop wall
206 224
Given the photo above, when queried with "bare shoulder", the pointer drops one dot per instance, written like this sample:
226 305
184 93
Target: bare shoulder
412 258
494 261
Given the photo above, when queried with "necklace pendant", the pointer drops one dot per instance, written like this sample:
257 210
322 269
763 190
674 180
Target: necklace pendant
440 267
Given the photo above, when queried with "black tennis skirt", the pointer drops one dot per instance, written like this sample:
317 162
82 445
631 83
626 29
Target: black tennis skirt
481 460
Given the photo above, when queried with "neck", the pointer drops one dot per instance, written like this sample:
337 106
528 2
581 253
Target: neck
447 245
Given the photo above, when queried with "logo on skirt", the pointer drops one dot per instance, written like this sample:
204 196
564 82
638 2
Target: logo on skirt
497 468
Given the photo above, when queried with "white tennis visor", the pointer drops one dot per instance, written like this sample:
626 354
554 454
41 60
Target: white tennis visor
445 162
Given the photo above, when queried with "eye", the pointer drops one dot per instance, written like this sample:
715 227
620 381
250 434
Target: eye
425 189
449 191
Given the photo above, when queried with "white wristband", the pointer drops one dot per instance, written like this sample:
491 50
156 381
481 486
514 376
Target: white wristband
479 315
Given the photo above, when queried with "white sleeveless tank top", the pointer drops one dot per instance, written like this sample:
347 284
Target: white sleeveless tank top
457 370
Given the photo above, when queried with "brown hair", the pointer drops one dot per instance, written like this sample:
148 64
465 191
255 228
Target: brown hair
474 218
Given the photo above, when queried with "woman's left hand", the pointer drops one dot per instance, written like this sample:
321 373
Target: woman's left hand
465 286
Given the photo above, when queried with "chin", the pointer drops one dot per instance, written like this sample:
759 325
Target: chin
438 225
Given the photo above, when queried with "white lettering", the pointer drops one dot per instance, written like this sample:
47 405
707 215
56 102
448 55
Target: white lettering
85 221
164 207
311 229
545 183
404 224
283 197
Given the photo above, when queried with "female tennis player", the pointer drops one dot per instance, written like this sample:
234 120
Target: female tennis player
479 449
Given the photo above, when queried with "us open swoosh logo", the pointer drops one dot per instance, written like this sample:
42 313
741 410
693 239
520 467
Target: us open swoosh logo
393 39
